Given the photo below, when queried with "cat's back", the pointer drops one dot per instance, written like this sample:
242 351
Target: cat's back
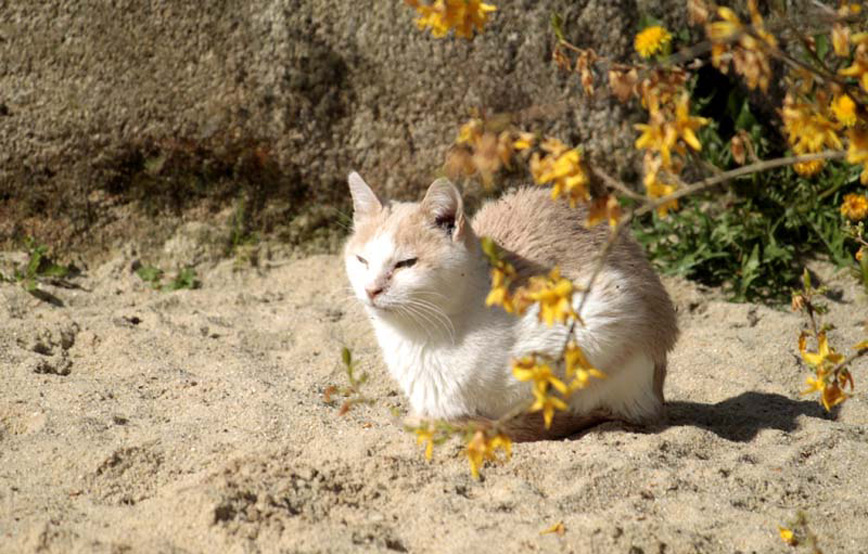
538 232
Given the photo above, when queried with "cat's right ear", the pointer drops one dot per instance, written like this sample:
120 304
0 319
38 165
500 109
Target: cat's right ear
365 202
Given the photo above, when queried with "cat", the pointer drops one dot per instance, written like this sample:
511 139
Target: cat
420 273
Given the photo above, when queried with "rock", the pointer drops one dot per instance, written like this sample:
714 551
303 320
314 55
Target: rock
116 114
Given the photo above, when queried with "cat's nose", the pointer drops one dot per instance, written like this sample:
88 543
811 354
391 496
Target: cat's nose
373 292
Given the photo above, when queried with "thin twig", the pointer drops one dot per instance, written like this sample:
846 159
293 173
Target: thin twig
735 174
614 183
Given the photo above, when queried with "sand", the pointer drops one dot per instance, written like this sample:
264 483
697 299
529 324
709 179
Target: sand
133 420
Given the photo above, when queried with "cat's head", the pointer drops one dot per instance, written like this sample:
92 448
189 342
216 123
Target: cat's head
405 256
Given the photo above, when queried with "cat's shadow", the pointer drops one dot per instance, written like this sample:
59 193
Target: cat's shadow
737 419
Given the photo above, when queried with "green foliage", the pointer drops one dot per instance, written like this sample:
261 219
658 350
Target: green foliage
39 268
151 275
184 279
353 392
753 239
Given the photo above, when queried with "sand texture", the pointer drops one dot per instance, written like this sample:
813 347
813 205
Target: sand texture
133 420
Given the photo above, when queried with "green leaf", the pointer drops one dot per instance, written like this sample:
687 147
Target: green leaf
558 25
821 43
346 356
185 279
151 275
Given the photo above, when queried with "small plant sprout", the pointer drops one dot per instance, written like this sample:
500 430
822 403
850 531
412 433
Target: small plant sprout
352 393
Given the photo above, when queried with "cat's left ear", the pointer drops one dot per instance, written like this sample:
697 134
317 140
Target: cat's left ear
443 202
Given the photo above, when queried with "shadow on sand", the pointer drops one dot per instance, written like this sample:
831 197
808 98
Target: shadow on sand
741 417
737 419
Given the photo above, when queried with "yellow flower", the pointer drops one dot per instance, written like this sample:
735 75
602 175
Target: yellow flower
470 132
857 153
841 40
502 276
844 109
554 296
651 40
604 208
787 536
547 404
475 451
686 125
809 131
462 16
562 168
824 354
859 69
855 207
748 55
720 31
657 136
528 369
579 368
426 437
499 294
524 141
480 448
556 529
655 189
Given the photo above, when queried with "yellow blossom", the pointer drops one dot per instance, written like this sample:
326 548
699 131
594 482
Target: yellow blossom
579 368
855 207
859 69
657 136
604 208
462 16
823 355
857 152
547 404
687 125
809 130
844 109
470 132
524 141
723 30
426 437
787 535
656 189
529 369
481 447
748 54
556 529
651 40
554 295
841 40
563 168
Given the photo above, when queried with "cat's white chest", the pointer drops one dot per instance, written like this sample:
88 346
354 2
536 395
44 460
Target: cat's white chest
449 379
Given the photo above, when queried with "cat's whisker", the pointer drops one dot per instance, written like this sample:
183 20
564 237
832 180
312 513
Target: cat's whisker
436 315
411 312
437 310
424 320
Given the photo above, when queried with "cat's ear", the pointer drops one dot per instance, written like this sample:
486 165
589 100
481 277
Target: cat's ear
443 202
365 202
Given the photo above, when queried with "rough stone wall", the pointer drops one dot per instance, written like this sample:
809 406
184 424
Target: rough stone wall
109 107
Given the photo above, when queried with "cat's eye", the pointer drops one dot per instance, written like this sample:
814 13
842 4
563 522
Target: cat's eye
409 262
362 260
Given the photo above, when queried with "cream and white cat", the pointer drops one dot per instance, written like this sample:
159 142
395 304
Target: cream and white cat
419 271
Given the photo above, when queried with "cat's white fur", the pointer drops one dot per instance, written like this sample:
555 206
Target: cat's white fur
450 353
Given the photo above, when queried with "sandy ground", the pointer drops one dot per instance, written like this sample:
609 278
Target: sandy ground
193 421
